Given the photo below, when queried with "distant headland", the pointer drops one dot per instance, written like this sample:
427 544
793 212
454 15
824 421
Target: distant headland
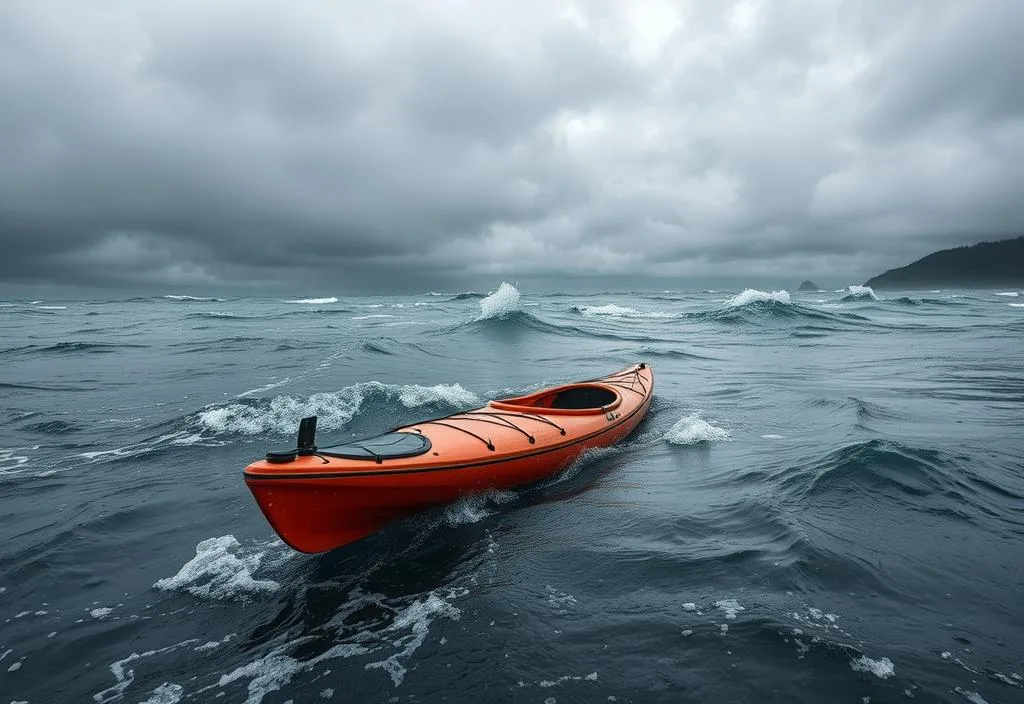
808 286
983 264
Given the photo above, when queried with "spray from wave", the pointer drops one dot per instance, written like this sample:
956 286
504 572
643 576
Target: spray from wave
500 304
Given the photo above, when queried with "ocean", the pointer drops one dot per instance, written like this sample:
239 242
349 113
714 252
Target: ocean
825 503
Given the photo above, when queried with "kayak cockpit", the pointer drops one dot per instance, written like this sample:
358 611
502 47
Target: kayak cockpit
575 399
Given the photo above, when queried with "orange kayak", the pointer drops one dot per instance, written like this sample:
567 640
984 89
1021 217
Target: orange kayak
318 499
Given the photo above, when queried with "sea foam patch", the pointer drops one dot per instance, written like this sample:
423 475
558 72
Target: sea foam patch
221 569
692 429
881 668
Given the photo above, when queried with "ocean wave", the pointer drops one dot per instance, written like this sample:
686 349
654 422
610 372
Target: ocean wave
614 311
468 296
192 299
500 304
859 293
752 295
281 414
72 347
313 301
692 430
1014 294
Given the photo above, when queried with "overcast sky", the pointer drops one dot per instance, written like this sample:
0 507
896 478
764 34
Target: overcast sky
328 146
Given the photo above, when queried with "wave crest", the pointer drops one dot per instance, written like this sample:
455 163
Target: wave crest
859 293
752 295
500 304
333 409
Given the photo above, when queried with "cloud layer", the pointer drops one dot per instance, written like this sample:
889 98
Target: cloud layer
197 143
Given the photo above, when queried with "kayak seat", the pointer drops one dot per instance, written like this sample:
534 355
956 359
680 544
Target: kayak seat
580 397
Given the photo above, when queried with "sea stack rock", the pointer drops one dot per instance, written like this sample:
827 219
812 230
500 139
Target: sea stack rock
808 286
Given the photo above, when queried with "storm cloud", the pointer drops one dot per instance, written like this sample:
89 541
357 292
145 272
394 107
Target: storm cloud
368 145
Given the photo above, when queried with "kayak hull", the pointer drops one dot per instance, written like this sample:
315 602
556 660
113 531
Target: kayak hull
319 503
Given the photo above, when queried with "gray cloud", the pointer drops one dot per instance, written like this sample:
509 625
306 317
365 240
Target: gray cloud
242 143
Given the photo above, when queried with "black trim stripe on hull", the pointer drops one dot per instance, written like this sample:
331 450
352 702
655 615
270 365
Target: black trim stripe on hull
343 474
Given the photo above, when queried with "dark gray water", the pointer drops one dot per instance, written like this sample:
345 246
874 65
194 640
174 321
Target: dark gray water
826 503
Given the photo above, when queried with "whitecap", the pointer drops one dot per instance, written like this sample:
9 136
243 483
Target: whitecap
972 697
375 315
615 311
52 307
204 299
1016 305
313 301
693 429
882 668
500 303
221 569
1014 294
101 612
861 292
752 295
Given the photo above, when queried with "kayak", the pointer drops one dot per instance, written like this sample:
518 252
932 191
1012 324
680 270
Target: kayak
321 498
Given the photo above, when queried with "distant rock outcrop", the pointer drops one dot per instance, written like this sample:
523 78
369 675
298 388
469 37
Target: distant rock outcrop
808 286
984 264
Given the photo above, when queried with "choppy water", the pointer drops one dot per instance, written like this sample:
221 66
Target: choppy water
826 502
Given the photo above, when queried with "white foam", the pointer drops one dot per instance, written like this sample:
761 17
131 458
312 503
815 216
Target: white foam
1008 293
475 507
972 697
124 676
1016 305
313 301
374 315
53 307
333 409
752 295
167 693
689 606
561 602
195 298
102 612
416 617
882 668
220 570
772 437
730 607
326 693
615 311
693 429
500 303
862 292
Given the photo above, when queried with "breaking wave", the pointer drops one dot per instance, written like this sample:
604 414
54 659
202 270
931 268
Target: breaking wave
192 299
313 301
859 293
334 409
752 295
500 304
614 311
